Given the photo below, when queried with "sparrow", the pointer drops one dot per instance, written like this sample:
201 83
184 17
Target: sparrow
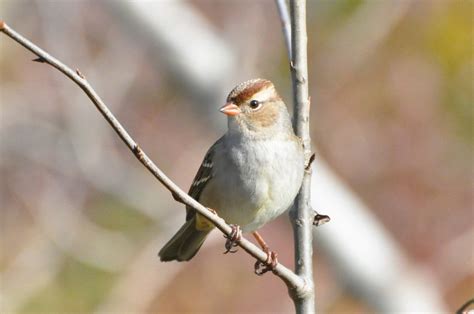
249 176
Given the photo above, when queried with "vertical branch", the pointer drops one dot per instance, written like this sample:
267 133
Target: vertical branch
285 23
301 214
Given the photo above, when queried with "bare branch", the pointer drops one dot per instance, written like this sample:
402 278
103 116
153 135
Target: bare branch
302 215
296 284
285 24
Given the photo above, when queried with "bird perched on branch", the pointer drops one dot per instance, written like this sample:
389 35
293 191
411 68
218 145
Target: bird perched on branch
250 176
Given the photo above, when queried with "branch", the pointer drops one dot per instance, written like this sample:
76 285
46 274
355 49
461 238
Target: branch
285 24
296 284
302 216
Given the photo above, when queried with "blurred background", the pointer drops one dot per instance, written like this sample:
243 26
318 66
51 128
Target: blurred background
392 115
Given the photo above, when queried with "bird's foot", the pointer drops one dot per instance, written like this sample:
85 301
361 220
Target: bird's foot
270 263
233 239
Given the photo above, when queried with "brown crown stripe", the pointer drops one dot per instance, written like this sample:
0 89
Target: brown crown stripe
246 90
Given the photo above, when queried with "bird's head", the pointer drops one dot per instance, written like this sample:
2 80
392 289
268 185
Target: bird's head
254 107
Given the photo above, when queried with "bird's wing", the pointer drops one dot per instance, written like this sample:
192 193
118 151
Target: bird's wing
203 176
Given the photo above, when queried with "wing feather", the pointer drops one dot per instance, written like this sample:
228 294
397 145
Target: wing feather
204 174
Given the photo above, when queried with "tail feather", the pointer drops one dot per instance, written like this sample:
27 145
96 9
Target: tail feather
184 244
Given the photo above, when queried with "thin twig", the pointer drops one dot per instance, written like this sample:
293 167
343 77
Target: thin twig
296 285
302 214
285 24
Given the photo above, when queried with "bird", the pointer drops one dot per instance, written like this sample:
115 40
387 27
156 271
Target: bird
249 176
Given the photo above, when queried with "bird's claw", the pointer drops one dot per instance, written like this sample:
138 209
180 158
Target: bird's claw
270 263
233 239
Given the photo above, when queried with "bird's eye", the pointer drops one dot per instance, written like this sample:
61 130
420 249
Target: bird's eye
255 104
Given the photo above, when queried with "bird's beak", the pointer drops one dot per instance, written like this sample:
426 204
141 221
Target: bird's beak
230 109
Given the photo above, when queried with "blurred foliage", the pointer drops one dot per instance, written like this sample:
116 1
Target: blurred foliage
78 288
459 106
115 215
449 31
339 11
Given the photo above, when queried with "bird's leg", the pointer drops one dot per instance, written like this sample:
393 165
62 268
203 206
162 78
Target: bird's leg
232 239
271 262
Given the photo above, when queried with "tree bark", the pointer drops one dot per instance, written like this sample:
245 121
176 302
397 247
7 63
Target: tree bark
302 215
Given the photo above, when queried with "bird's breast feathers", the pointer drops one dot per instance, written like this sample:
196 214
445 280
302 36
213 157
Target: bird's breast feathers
258 183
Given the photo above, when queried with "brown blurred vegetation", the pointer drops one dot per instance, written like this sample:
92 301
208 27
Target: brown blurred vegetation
82 221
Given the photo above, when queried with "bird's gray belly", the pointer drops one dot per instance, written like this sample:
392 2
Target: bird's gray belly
257 187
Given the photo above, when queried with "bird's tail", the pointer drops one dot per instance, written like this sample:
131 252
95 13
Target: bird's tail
184 244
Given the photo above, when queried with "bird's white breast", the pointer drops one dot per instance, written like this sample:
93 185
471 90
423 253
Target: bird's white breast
254 182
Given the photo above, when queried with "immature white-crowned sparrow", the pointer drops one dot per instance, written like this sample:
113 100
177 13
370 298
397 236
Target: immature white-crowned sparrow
250 175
